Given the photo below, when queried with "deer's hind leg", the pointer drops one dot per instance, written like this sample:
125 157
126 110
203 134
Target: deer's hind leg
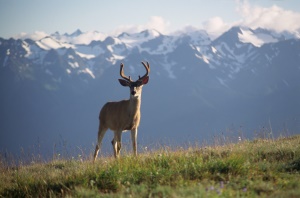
101 132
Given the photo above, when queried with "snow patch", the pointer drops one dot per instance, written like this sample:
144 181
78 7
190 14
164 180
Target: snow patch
205 59
136 39
33 52
87 56
6 57
247 36
26 47
257 39
267 38
87 71
164 47
48 43
68 71
214 50
168 67
114 58
73 65
88 51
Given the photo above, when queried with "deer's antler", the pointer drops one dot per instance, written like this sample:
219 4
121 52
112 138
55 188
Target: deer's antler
147 67
122 73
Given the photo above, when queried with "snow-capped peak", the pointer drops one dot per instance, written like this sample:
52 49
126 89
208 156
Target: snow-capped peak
132 40
261 36
198 37
150 33
76 33
49 42
248 36
35 36
79 37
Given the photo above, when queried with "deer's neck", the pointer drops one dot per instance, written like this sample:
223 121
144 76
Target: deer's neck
134 105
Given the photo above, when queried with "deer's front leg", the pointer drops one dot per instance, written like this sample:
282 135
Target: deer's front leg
116 142
133 139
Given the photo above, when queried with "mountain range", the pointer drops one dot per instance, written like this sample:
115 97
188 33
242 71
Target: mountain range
242 84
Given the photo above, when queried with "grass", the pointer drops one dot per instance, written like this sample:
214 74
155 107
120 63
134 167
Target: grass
262 167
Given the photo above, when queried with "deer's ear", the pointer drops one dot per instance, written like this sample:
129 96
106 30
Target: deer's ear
145 80
124 83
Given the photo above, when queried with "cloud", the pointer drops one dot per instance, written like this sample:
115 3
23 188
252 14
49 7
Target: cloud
215 26
37 35
156 22
274 17
86 37
253 16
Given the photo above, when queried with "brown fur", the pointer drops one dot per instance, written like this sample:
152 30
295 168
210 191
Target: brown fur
123 115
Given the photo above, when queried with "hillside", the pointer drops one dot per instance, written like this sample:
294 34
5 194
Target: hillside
262 167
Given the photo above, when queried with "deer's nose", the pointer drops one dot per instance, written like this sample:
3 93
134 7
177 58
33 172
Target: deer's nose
133 93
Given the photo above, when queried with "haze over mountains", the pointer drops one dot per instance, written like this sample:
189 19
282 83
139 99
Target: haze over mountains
240 83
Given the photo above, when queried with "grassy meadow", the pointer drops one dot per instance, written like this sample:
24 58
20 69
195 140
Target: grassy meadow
262 167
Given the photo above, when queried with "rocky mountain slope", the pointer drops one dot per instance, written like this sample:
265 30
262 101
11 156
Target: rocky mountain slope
243 81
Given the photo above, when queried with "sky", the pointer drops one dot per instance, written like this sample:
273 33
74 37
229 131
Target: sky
21 17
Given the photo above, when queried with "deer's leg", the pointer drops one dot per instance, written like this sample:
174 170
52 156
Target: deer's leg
133 139
101 133
116 142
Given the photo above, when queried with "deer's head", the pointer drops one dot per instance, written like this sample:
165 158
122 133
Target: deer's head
135 86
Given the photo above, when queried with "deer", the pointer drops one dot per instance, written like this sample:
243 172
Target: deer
123 115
